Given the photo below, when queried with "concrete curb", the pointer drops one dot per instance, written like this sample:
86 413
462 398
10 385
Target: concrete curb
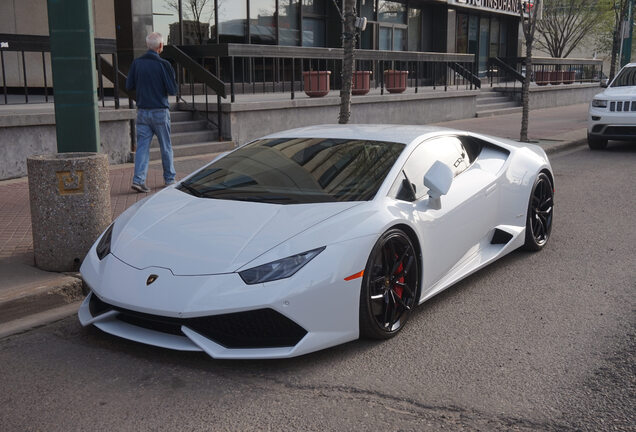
38 319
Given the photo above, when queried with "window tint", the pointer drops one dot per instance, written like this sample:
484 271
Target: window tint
297 170
626 77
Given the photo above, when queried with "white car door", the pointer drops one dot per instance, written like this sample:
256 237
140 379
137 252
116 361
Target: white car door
467 213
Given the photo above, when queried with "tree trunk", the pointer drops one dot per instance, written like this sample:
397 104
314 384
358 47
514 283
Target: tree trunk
348 44
525 93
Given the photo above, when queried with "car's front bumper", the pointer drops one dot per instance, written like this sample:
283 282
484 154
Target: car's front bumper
222 316
605 124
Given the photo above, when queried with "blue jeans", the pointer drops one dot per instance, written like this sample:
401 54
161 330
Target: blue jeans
153 122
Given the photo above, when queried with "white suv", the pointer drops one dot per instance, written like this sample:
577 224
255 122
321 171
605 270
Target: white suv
613 112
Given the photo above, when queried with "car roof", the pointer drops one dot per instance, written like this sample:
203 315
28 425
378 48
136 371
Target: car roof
404 134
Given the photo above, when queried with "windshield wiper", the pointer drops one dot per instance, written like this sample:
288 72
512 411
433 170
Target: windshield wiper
192 190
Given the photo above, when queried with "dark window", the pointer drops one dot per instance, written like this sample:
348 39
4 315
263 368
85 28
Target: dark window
626 77
297 170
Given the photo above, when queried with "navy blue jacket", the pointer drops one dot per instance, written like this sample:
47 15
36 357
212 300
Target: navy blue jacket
153 79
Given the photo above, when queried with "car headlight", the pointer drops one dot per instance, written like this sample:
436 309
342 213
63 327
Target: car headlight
103 247
280 269
599 103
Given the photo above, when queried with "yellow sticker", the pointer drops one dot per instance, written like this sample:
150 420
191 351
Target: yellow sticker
70 182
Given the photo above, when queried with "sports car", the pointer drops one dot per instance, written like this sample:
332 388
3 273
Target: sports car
313 237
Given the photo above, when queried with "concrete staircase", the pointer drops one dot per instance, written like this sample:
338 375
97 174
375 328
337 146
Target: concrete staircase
190 136
492 103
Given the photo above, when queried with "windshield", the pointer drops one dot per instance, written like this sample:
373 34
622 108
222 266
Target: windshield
626 77
297 170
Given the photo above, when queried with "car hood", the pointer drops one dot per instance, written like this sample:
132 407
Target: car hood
618 92
199 236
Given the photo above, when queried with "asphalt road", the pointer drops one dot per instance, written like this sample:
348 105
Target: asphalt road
541 341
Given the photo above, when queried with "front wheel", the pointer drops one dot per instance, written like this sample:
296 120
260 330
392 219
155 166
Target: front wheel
389 286
540 212
596 143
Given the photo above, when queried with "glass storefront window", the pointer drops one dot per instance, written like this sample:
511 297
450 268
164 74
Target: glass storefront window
263 22
316 7
385 38
399 39
483 45
390 11
232 21
313 32
415 29
367 9
503 39
473 34
288 19
197 19
461 42
494 37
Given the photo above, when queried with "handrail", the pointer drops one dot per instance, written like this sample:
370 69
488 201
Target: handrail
467 74
198 72
507 69
558 61
278 51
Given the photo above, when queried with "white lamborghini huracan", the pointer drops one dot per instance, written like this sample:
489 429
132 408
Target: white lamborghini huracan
312 237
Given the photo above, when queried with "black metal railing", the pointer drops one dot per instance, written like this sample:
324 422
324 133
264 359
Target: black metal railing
28 74
545 70
190 69
268 69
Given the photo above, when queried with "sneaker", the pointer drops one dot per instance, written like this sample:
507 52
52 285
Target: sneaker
168 183
142 188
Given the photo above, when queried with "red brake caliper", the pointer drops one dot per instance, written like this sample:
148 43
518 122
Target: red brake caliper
398 289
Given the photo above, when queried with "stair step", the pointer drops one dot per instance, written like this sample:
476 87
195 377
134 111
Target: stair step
492 99
495 112
195 149
180 138
176 116
188 126
492 106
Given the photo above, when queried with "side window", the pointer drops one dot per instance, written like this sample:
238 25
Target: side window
458 153
450 150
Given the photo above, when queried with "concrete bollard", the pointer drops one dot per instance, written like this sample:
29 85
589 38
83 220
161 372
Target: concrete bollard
70 206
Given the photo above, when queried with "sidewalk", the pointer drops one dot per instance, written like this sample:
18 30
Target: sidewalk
30 297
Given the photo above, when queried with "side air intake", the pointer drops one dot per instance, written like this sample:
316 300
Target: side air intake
500 237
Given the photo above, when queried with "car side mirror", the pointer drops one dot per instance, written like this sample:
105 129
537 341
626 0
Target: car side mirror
438 180
604 82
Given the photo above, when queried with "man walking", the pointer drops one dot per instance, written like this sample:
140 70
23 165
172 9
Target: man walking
153 79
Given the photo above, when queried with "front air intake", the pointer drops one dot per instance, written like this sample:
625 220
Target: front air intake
260 328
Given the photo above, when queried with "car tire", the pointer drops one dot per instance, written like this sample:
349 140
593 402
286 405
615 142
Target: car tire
596 143
389 286
540 213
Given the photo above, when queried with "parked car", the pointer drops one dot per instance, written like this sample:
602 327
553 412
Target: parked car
313 237
612 113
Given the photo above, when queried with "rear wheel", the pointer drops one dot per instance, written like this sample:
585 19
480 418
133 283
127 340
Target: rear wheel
540 210
389 286
596 143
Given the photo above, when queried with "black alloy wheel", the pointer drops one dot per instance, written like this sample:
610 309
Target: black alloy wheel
540 212
389 286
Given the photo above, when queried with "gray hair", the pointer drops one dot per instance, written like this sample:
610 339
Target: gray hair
153 40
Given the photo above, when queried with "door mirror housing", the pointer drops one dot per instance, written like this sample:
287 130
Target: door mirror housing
438 180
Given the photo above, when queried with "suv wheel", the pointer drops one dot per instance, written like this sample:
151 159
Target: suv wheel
596 143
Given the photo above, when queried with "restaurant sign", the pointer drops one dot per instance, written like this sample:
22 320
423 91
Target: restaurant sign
509 6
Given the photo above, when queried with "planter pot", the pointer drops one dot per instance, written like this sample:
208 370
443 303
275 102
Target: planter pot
395 81
542 78
360 83
556 77
316 83
569 77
